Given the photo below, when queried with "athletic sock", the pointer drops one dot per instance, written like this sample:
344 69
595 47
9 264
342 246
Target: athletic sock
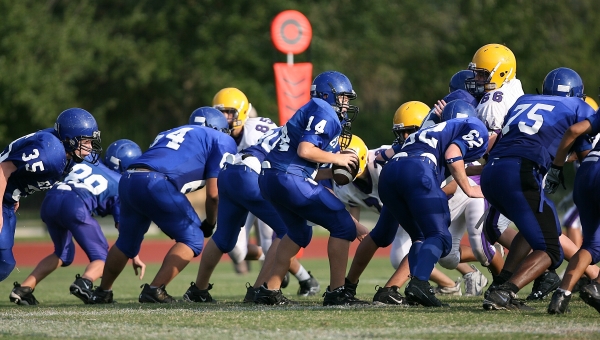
302 274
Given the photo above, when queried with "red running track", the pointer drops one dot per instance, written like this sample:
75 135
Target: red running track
153 251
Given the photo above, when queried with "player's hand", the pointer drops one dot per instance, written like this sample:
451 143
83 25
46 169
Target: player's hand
207 228
554 178
475 192
361 232
348 160
138 266
439 107
16 206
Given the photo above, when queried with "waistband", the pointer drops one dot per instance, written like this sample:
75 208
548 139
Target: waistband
593 156
139 169
425 157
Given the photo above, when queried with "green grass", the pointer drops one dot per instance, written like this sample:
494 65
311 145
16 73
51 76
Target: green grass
61 315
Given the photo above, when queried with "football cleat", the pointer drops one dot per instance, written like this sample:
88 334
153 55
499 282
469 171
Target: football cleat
582 282
420 292
474 282
286 280
543 285
590 294
265 296
341 297
250 293
309 287
388 296
503 299
559 303
22 295
350 287
195 294
454 290
155 295
81 288
101 296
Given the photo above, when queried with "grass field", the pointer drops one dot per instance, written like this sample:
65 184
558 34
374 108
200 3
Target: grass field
61 315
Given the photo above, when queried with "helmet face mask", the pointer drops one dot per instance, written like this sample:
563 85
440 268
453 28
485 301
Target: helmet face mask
78 131
494 65
234 104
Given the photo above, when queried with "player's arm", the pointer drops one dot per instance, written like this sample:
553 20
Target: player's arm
569 137
6 169
312 153
355 212
456 165
212 201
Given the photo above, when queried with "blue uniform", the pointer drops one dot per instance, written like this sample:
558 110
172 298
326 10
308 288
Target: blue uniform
239 194
178 162
289 182
585 196
67 210
512 179
40 159
409 186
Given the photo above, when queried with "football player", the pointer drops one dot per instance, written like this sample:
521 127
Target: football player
529 141
179 161
308 139
89 189
410 187
34 163
586 198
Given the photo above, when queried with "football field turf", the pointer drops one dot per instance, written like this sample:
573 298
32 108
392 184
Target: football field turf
61 315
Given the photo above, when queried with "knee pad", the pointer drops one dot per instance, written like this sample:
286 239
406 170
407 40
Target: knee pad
556 256
451 260
7 264
67 255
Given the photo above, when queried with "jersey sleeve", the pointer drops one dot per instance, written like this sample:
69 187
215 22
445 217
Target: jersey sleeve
216 158
321 129
472 140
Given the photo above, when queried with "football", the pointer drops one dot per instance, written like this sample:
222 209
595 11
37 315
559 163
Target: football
341 175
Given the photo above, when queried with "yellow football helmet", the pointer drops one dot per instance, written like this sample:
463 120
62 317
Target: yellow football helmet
357 145
234 105
592 103
408 118
494 65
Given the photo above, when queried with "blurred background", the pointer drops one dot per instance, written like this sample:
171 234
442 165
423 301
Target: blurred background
141 67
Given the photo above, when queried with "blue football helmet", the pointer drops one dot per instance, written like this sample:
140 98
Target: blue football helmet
210 117
457 82
75 125
563 82
331 86
120 154
458 109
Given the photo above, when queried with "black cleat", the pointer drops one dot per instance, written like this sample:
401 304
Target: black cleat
590 294
544 285
265 296
350 287
420 292
22 295
101 296
250 293
81 288
286 280
155 295
582 282
388 296
195 294
341 297
499 299
559 303
309 287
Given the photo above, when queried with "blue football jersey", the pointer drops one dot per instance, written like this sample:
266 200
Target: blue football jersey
188 155
40 159
316 123
96 185
469 134
535 125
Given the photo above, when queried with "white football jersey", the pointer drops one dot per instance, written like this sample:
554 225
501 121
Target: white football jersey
494 105
352 195
254 128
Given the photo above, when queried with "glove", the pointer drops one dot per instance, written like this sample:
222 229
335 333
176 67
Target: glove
207 228
554 177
